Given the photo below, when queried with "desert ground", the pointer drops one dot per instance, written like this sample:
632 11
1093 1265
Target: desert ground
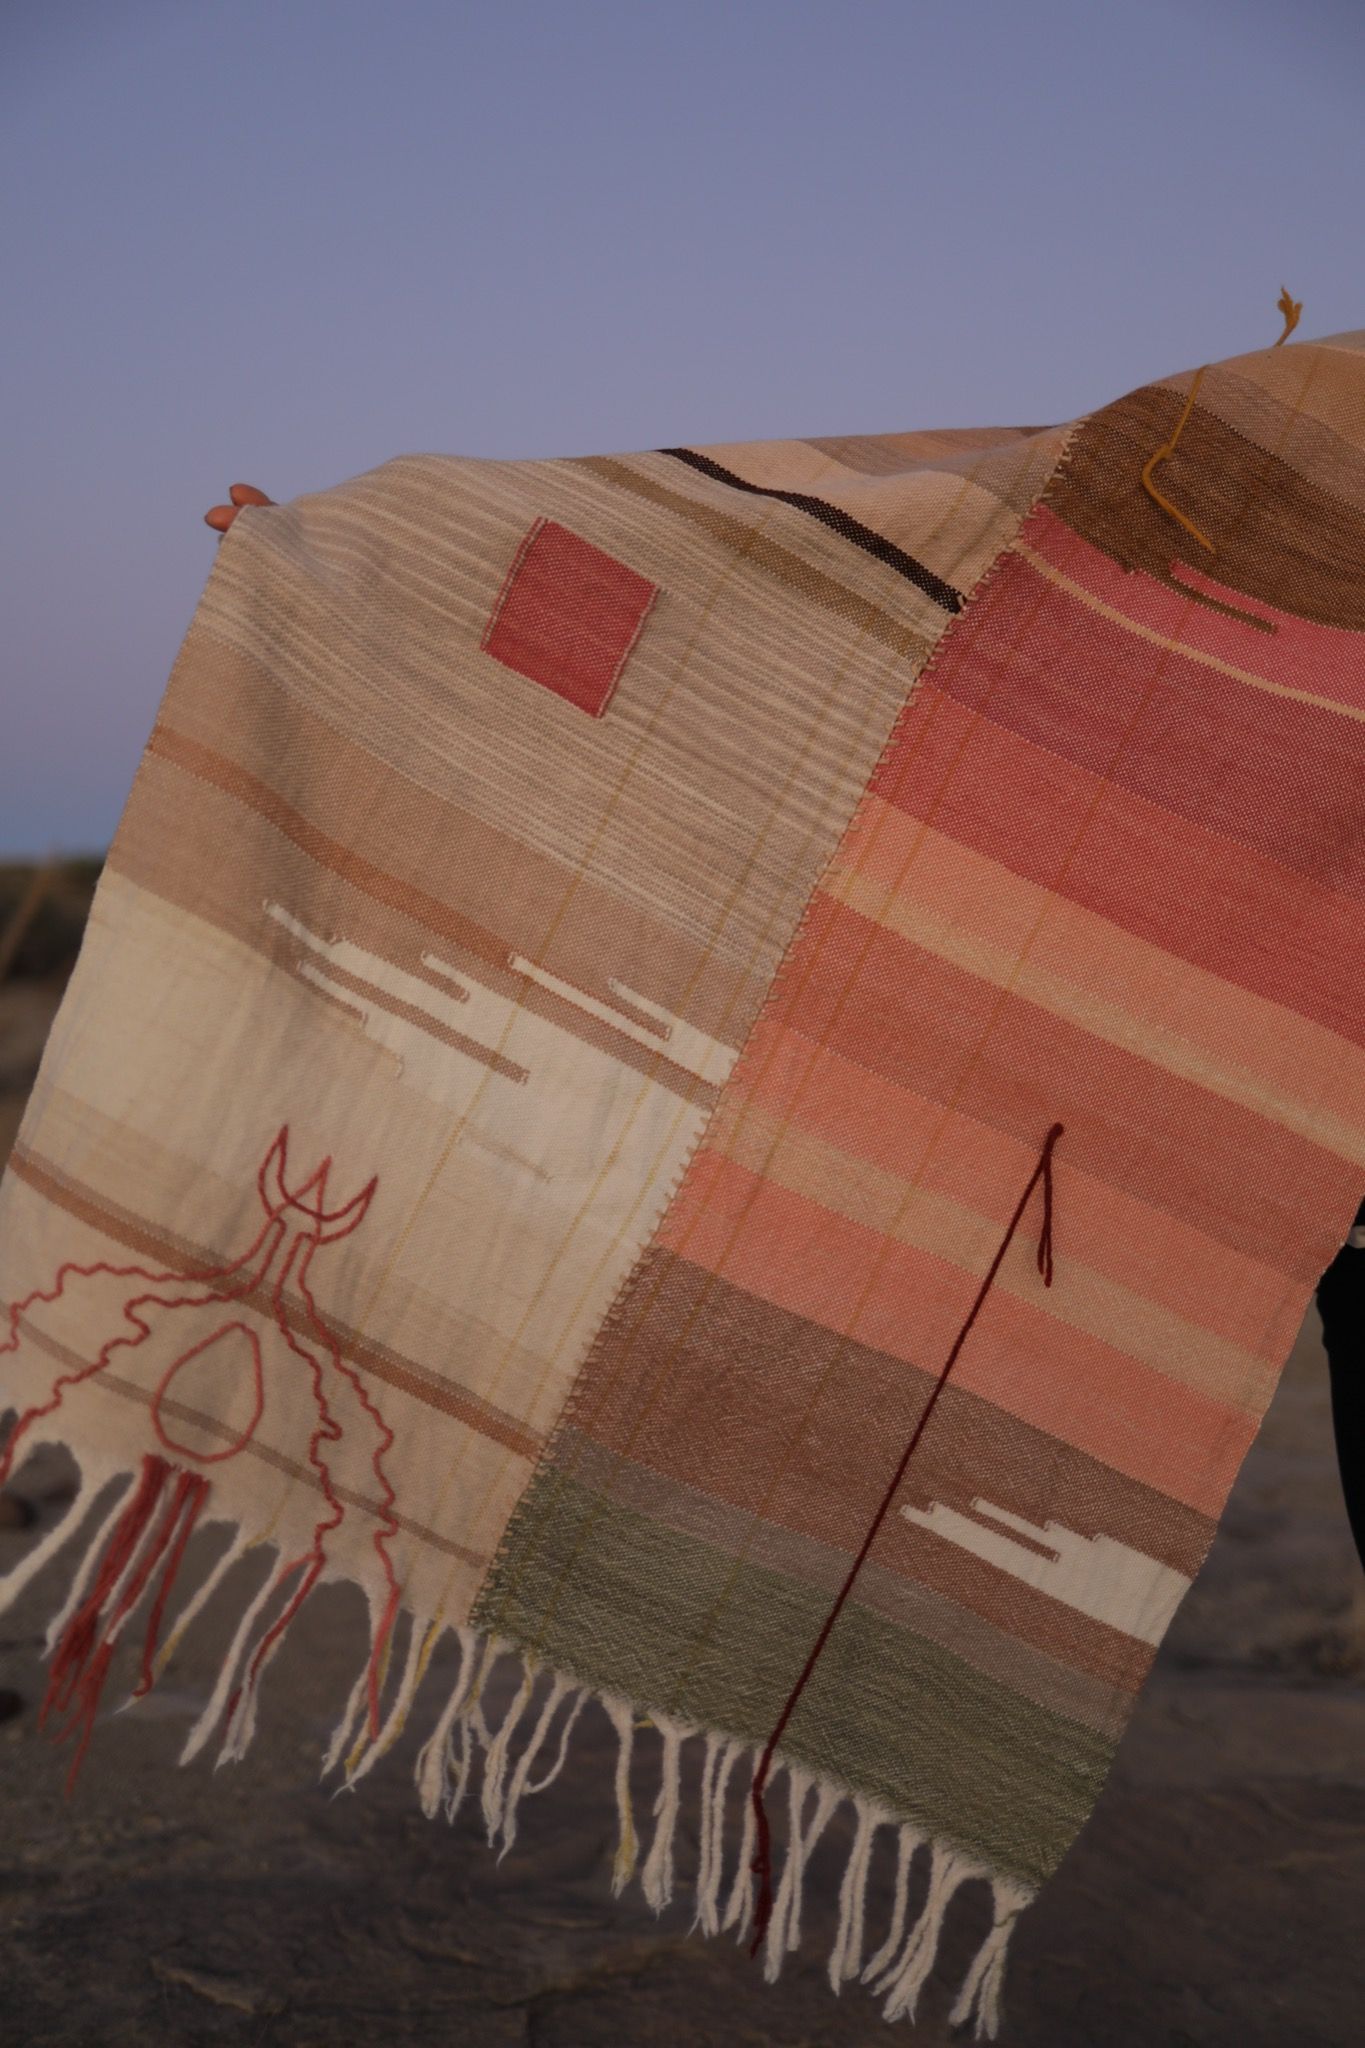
1214 1900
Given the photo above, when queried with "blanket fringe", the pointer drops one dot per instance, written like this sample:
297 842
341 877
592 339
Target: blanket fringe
656 1879
128 1561
739 1911
846 1956
908 1840
783 1932
718 1765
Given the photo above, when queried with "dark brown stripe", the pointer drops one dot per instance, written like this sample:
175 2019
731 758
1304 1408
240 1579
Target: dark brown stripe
807 583
838 521
673 1381
1280 539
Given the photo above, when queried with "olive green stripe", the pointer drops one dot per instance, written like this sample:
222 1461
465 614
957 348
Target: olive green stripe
888 1713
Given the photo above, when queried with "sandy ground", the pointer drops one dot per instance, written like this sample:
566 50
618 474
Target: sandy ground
1214 1900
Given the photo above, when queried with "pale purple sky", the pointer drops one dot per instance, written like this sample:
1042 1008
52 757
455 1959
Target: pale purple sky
283 240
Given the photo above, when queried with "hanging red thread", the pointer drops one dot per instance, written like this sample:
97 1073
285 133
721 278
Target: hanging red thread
297 1221
196 1490
80 1662
762 1865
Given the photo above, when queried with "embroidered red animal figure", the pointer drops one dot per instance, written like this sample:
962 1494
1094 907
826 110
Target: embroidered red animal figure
273 1278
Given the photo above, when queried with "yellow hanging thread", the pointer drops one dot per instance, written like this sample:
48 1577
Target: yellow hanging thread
1291 308
1164 455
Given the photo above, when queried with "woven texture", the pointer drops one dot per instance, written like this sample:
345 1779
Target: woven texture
586 973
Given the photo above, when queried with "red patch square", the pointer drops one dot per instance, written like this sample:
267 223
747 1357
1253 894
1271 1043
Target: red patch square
568 615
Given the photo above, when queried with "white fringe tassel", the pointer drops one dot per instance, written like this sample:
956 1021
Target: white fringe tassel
710 1763
194 1606
90 1483
908 1840
711 1860
345 1733
846 1956
237 1652
979 1999
784 1928
908 1975
443 1762
391 1727
85 1570
896 1972
622 1717
739 1911
495 1763
656 1879
521 1786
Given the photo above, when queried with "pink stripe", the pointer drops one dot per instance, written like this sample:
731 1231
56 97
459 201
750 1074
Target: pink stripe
787 1250
1324 661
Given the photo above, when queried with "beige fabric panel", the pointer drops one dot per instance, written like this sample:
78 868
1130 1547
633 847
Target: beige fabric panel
485 958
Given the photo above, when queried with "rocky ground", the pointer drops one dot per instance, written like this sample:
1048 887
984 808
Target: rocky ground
1213 1901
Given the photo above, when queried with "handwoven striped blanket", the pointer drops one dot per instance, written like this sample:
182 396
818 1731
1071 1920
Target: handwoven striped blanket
727 1072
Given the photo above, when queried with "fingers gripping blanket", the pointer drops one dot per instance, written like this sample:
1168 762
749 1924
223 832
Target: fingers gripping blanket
726 1073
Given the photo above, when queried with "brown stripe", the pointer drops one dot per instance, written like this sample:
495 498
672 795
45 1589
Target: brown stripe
717 1389
1061 1686
950 449
788 569
384 999
1280 538
173 814
837 519
510 892
1311 421
179 1255
238 782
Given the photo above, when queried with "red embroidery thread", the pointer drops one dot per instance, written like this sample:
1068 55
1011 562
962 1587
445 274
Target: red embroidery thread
80 1662
297 1220
267 1239
193 1488
187 1358
762 1865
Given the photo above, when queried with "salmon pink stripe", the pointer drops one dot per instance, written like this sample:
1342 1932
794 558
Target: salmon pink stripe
1141 868
894 1008
1291 786
805 1259
908 875
1296 654
871 1117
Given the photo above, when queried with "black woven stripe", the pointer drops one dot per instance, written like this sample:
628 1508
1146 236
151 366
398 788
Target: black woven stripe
842 523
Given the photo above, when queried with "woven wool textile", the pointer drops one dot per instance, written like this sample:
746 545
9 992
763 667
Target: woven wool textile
614 973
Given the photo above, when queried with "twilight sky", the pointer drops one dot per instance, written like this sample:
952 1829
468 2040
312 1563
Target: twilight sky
283 240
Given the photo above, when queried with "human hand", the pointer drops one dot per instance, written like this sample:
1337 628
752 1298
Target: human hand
222 516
